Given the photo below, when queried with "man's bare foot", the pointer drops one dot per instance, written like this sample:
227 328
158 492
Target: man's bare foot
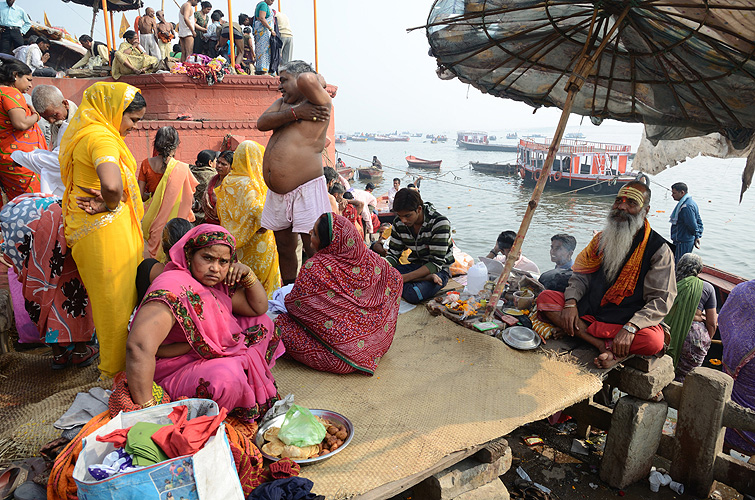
607 360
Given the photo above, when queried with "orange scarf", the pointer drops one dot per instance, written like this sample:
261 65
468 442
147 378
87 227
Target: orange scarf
589 260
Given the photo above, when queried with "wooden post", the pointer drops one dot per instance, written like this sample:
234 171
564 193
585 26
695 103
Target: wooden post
573 86
112 30
230 37
107 27
315 17
94 19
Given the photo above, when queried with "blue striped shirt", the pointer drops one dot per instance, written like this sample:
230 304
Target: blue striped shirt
14 17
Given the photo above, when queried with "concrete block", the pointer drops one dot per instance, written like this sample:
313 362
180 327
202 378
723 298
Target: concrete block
465 476
494 490
643 363
636 428
644 385
493 451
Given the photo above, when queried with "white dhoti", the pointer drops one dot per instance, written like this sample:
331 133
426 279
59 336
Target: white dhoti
149 42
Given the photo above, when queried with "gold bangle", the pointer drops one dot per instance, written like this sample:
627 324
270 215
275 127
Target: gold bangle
570 305
249 280
149 403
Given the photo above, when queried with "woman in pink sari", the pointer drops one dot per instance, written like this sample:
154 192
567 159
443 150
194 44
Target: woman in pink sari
202 331
343 307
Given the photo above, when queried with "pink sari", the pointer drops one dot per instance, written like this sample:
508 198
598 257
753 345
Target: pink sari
231 356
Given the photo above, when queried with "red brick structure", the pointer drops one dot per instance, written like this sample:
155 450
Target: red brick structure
229 108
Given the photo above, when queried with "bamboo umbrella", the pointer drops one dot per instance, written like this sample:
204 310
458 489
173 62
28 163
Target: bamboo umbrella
682 67
108 27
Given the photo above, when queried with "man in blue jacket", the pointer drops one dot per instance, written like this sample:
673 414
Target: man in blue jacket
686 224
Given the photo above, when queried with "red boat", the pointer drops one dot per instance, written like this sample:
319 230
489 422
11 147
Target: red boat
413 161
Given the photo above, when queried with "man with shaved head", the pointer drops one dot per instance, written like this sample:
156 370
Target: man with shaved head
622 286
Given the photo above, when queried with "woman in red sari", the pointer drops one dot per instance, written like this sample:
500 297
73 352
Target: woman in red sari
18 129
343 307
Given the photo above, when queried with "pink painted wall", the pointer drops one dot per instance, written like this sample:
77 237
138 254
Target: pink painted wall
230 107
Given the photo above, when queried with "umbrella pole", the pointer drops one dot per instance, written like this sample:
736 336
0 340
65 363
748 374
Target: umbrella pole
94 19
112 28
231 42
573 86
314 6
107 26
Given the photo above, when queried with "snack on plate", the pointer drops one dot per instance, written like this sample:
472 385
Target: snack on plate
335 436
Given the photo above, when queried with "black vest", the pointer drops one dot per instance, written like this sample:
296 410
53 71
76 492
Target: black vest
598 286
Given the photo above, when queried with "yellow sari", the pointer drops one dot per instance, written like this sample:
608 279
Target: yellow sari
107 247
137 58
173 198
241 198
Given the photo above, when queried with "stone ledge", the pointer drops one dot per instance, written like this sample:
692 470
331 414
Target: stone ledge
644 385
494 490
463 477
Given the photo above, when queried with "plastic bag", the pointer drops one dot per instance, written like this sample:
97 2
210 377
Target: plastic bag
476 278
301 428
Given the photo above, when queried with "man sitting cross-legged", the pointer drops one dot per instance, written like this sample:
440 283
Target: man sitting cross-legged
622 287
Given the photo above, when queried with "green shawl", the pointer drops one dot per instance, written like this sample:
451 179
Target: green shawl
689 292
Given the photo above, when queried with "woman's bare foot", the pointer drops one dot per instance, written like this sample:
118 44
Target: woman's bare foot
606 360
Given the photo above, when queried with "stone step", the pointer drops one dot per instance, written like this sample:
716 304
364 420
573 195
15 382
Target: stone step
494 490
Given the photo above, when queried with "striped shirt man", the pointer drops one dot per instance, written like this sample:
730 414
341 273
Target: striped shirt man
431 246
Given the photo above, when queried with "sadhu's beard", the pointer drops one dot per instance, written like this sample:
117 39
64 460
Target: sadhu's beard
616 240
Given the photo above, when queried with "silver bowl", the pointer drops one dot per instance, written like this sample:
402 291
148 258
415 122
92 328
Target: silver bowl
331 416
522 338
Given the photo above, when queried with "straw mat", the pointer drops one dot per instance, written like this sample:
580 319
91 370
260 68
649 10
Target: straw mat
441 388
32 397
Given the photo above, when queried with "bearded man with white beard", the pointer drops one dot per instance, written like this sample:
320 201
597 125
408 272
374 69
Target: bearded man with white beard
622 287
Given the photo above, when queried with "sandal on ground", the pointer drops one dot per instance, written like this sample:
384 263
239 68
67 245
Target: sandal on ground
85 359
10 479
61 360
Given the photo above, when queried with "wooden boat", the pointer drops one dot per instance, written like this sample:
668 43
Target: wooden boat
494 168
415 162
340 139
593 166
347 173
512 135
479 141
369 173
359 138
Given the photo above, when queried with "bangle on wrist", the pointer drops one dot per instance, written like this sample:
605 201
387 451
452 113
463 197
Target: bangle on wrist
569 305
149 403
112 209
249 280
293 113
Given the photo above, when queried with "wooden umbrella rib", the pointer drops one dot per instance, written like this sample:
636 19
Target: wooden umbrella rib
708 38
595 83
708 5
609 87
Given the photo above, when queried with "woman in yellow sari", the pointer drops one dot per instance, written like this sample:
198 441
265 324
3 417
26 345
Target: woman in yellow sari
241 197
174 195
131 59
103 210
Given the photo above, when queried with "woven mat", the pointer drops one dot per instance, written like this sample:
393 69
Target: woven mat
441 388
32 397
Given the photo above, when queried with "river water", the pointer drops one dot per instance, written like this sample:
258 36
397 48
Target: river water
480 205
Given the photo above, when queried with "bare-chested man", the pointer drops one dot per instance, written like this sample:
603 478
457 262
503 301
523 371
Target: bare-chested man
292 165
187 29
148 33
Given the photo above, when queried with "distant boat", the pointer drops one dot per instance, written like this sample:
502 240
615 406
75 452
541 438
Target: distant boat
512 135
492 138
441 138
574 135
359 138
346 172
400 138
383 138
494 168
430 136
413 161
369 173
418 134
340 139
479 141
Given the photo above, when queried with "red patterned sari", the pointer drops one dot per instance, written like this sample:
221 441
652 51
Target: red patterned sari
343 307
231 356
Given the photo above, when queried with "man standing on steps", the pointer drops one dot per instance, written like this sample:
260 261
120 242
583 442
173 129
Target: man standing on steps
187 29
686 224
148 33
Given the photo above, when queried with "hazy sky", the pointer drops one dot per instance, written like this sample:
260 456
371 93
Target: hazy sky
386 79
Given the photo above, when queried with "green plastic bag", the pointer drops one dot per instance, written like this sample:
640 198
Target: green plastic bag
301 428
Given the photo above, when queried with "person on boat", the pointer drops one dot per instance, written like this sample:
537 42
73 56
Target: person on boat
96 55
131 58
19 130
343 308
170 185
53 293
340 163
622 285
693 317
57 111
292 163
187 30
376 163
415 185
103 210
501 250
562 248
736 323
150 268
686 223
392 192
210 198
427 233
201 330
264 30
240 201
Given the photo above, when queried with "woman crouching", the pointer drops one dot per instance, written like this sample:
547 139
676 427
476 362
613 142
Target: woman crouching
202 331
